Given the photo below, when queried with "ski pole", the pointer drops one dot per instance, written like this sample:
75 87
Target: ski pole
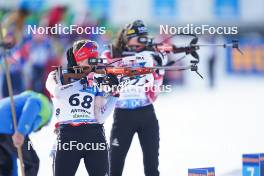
53 165
10 91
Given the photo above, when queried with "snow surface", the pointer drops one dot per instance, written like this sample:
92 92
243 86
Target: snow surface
199 127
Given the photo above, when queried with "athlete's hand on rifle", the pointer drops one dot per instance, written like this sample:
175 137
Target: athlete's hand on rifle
161 60
108 80
18 139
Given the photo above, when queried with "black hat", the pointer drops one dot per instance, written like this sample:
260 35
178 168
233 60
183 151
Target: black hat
137 28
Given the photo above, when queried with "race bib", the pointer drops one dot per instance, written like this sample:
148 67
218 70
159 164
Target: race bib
75 104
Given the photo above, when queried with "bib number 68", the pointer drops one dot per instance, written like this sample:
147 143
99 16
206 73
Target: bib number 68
75 101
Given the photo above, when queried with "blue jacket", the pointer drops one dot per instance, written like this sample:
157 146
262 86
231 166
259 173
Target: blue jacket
28 107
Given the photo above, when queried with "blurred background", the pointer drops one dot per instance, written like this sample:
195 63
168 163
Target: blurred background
203 122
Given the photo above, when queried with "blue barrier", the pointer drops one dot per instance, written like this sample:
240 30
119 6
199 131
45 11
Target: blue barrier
209 171
253 164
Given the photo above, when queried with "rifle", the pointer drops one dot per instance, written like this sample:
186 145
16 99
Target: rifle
100 65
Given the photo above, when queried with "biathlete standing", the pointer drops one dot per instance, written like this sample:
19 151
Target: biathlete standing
81 111
134 111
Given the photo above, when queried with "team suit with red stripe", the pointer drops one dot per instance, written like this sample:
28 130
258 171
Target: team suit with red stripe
134 113
80 111
81 114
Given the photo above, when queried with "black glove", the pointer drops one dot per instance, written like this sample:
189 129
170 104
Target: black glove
110 80
158 59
